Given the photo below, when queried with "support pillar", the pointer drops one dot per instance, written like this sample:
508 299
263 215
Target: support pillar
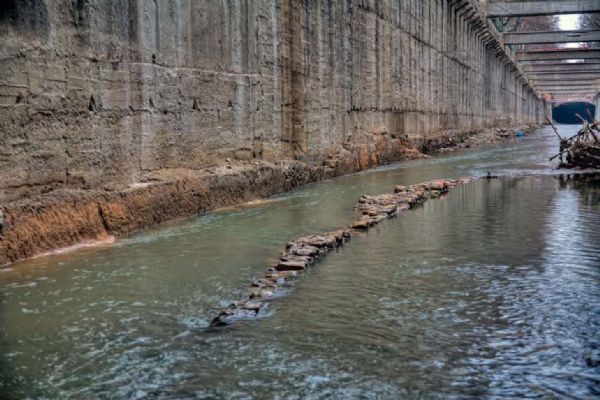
549 107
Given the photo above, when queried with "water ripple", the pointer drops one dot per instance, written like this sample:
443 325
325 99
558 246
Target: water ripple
492 292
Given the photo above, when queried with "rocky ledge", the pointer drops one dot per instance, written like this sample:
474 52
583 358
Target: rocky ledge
304 252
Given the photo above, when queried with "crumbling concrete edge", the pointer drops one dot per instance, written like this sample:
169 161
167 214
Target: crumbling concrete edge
65 218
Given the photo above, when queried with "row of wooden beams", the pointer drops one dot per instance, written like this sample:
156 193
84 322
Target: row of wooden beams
540 7
581 54
551 37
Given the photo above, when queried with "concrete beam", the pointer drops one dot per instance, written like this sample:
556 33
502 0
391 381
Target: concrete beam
562 68
569 99
568 95
567 89
583 54
585 86
564 99
579 88
563 96
570 92
589 87
577 76
575 100
562 62
581 82
551 37
540 7
582 99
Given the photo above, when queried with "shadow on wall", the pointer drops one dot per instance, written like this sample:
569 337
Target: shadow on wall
26 18
567 113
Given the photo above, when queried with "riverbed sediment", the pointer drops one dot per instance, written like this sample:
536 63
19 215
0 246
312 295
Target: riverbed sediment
305 251
62 218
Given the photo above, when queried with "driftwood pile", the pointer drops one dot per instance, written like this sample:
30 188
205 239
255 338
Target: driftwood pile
581 150
303 252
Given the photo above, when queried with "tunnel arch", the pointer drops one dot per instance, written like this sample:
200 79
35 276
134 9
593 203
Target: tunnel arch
566 112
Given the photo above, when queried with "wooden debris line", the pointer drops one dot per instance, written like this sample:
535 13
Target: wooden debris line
304 252
581 150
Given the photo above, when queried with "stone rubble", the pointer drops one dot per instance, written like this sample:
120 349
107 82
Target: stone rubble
304 252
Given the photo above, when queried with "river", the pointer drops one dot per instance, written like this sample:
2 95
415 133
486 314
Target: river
493 291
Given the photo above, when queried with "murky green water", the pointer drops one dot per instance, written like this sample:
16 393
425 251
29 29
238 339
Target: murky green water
493 291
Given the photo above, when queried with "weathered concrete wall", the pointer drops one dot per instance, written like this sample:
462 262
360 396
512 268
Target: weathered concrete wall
102 92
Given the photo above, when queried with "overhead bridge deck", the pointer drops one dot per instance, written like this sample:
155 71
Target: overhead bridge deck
567 67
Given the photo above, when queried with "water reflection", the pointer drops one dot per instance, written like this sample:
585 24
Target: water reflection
490 292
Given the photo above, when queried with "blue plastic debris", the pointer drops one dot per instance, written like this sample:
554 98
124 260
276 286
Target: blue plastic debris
519 133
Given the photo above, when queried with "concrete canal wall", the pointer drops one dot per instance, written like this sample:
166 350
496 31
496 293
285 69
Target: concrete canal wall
116 95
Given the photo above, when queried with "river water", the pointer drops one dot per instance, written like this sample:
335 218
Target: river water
493 291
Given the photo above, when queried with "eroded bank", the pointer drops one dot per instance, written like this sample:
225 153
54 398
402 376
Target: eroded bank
63 218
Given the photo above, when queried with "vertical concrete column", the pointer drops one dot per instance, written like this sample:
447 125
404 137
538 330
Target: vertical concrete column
147 38
548 110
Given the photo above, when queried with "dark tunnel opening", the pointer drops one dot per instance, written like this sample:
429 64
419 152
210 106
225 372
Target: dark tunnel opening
567 113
